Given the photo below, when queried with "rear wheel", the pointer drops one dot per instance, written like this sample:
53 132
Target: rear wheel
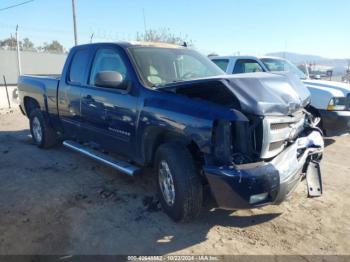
179 186
42 133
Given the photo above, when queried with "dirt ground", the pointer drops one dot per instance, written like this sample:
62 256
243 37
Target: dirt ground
11 91
59 202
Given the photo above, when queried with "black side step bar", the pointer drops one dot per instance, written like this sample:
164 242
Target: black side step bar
119 165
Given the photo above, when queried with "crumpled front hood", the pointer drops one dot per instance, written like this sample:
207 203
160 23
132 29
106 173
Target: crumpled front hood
252 93
269 94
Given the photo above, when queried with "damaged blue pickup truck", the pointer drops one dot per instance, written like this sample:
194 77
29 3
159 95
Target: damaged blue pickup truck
249 137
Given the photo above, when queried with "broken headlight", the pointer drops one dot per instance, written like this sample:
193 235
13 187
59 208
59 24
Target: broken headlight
222 142
232 142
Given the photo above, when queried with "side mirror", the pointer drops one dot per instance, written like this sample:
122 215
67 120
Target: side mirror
112 79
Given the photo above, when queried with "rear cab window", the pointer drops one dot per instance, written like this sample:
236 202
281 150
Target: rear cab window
77 70
222 63
247 66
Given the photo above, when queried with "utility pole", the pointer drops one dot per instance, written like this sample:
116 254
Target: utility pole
144 20
18 53
74 23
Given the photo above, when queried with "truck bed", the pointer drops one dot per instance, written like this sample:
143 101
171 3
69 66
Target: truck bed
51 76
43 88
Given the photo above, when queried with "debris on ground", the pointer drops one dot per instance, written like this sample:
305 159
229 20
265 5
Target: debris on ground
151 203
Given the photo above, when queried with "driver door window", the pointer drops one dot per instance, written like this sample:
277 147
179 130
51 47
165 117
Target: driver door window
107 60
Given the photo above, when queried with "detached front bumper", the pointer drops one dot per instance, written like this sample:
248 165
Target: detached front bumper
335 122
257 184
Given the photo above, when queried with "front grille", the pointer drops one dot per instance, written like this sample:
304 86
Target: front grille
279 126
278 131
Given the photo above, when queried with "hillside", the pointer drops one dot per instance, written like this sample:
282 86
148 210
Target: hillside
339 65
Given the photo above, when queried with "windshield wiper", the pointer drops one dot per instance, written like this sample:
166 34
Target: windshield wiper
158 86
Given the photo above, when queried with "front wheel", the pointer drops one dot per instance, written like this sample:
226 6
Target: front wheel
179 186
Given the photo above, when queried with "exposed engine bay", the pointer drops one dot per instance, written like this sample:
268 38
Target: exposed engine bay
273 103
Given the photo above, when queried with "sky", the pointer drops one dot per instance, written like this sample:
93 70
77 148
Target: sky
226 27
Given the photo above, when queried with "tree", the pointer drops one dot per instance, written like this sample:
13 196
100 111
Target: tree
163 35
28 45
9 43
54 47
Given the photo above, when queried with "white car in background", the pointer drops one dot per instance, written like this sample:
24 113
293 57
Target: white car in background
329 100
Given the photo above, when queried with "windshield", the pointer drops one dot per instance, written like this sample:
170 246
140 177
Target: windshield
159 66
274 64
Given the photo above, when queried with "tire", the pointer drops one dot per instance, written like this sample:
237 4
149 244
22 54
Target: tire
185 203
42 133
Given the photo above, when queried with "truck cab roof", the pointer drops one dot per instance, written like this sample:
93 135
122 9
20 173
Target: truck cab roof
128 44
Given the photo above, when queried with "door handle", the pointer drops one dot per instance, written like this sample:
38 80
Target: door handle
89 101
88 97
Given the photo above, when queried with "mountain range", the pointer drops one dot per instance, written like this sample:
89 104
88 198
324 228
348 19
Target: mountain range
339 65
